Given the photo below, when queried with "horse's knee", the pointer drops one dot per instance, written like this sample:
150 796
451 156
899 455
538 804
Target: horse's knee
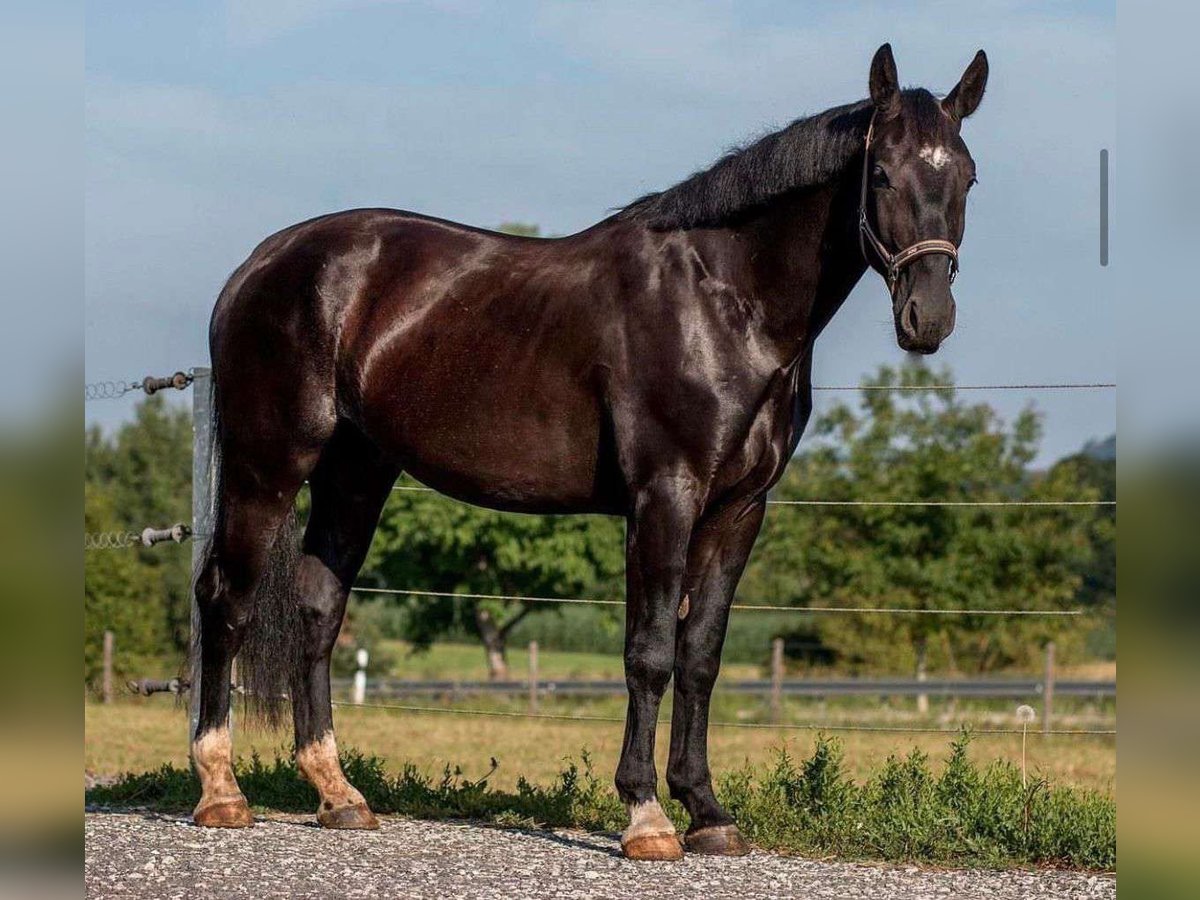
696 675
648 666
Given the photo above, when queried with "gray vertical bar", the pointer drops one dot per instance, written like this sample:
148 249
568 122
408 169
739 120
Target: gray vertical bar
1048 689
202 487
1104 207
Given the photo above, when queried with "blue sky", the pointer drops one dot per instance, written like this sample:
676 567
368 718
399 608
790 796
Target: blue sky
211 125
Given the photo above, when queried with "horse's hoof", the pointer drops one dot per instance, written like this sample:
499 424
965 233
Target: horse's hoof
357 816
656 847
233 813
717 840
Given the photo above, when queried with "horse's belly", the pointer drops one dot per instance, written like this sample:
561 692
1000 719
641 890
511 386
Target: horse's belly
513 449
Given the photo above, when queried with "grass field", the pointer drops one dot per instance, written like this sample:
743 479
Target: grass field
139 735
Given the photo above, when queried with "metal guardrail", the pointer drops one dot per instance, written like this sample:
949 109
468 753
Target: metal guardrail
982 688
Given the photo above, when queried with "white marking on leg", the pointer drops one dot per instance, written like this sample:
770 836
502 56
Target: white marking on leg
212 754
646 818
936 157
318 763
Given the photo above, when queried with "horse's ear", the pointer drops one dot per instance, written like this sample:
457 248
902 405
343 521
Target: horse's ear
965 98
885 83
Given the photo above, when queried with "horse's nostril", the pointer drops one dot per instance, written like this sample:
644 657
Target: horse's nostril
910 318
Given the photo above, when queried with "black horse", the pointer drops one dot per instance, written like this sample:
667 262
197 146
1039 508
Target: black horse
655 366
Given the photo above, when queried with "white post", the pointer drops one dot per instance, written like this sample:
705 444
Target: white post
533 678
360 677
202 512
106 683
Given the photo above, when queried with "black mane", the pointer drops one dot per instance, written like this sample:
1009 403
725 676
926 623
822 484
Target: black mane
806 153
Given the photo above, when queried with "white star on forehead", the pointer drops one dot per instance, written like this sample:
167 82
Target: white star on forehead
937 157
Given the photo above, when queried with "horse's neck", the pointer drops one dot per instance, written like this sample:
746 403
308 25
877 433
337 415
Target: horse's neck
804 259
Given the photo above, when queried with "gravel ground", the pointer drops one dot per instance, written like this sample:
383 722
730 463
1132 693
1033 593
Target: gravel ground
152 855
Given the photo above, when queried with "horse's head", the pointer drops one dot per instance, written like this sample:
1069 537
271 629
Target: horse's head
916 175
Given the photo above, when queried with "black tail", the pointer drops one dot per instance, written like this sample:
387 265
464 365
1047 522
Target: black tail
270 662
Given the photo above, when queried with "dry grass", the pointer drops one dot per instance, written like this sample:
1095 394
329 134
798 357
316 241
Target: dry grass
137 735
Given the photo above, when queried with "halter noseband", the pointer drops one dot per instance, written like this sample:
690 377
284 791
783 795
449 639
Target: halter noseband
893 263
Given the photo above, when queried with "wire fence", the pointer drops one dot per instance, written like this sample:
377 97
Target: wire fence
180 380
108 390
115 389
751 607
913 503
784 726
110 540
1034 386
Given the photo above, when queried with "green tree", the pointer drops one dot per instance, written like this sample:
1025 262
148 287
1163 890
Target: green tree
121 595
1096 468
145 471
426 541
927 445
521 229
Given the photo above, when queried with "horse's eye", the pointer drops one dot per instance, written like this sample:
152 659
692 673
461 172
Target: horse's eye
972 182
879 177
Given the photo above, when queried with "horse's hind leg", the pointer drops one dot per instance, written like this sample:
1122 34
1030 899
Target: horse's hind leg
255 499
349 487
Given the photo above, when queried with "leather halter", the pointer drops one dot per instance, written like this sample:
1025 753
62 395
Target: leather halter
893 263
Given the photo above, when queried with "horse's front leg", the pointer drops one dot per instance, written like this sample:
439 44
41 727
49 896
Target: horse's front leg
659 531
718 556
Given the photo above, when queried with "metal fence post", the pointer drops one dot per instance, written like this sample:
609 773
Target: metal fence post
776 679
202 515
1048 689
106 683
533 678
234 693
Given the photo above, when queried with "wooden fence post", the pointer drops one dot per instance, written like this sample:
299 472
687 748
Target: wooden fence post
533 678
106 684
777 679
1048 689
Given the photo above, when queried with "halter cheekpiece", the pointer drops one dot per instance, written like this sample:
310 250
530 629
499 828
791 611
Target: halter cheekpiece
893 263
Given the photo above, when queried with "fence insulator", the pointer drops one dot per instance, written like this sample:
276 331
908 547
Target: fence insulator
123 540
178 381
177 533
148 686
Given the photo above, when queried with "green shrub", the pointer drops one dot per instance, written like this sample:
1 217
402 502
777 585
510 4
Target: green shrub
905 812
